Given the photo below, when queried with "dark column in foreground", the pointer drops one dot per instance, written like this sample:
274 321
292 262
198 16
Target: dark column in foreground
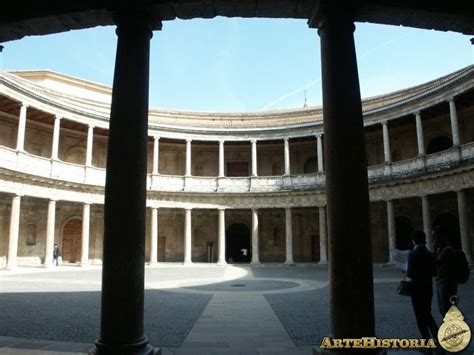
121 330
350 255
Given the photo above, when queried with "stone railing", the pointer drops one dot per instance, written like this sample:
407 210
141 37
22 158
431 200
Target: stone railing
26 163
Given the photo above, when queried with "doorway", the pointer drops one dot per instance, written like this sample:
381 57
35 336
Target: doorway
238 244
72 240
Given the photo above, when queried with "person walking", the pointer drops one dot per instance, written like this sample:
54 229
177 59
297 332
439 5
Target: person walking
446 277
56 255
420 270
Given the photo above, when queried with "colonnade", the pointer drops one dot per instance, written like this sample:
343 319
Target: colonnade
13 235
464 223
419 132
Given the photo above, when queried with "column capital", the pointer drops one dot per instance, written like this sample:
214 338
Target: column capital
325 8
137 14
91 126
188 140
58 117
86 203
53 200
384 122
221 209
24 104
188 209
221 141
156 138
319 135
254 210
451 99
286 139
389 200
417 113
253 141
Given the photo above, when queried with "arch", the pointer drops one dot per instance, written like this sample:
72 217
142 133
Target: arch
76 155
438 144
450 223
72 240
237 238
403 228
310 166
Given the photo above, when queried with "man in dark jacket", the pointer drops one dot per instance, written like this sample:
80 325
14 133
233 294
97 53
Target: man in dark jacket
446 281
421 267
56 255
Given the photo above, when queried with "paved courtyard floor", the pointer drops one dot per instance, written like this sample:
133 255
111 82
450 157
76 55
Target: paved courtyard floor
197 309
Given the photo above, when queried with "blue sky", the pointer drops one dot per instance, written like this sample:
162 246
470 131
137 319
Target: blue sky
246 64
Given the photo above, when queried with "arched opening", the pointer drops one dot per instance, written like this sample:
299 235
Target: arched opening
310 166
76 155
72 240
403 229
450 224
238 243
439 144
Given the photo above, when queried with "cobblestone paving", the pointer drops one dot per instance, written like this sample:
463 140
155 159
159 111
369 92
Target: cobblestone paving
63 304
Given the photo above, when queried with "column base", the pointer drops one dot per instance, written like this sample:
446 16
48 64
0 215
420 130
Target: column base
324 262
257 262
289 262
187 262
221 263
139 348
154 263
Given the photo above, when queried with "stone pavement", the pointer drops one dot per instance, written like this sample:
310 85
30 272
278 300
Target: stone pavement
197 309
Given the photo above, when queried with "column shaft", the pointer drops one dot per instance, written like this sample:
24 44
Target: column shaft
187 236
14 232
386 143
50 229
90 144
255 251
154 236
156 155
454 123
289 236
188 157
419 135
350 251
254 158
464 225
425 208
125 189
320 154
323 249
221 159
287 156
20 141
392 241
56 133
221 245
86 222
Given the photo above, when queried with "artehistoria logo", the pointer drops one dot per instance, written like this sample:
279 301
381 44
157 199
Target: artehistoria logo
376 343
454 334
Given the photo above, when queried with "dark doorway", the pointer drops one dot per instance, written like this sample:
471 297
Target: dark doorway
403 229
237 244
450 224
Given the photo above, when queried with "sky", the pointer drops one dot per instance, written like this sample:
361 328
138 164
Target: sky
242 65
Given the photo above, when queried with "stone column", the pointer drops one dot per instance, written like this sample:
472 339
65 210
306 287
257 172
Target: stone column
419 135
221 158
20 141
154 236
90 144
254 158
392 241
349 240
454 122
289 236
320 154
86 218
14 231
464 225
221 244
287 156
123 268
255 251
56 133
187 236
156 155
386 143
323 250
188 157
425 207
50 229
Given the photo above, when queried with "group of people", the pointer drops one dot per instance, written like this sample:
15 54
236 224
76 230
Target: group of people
423 266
